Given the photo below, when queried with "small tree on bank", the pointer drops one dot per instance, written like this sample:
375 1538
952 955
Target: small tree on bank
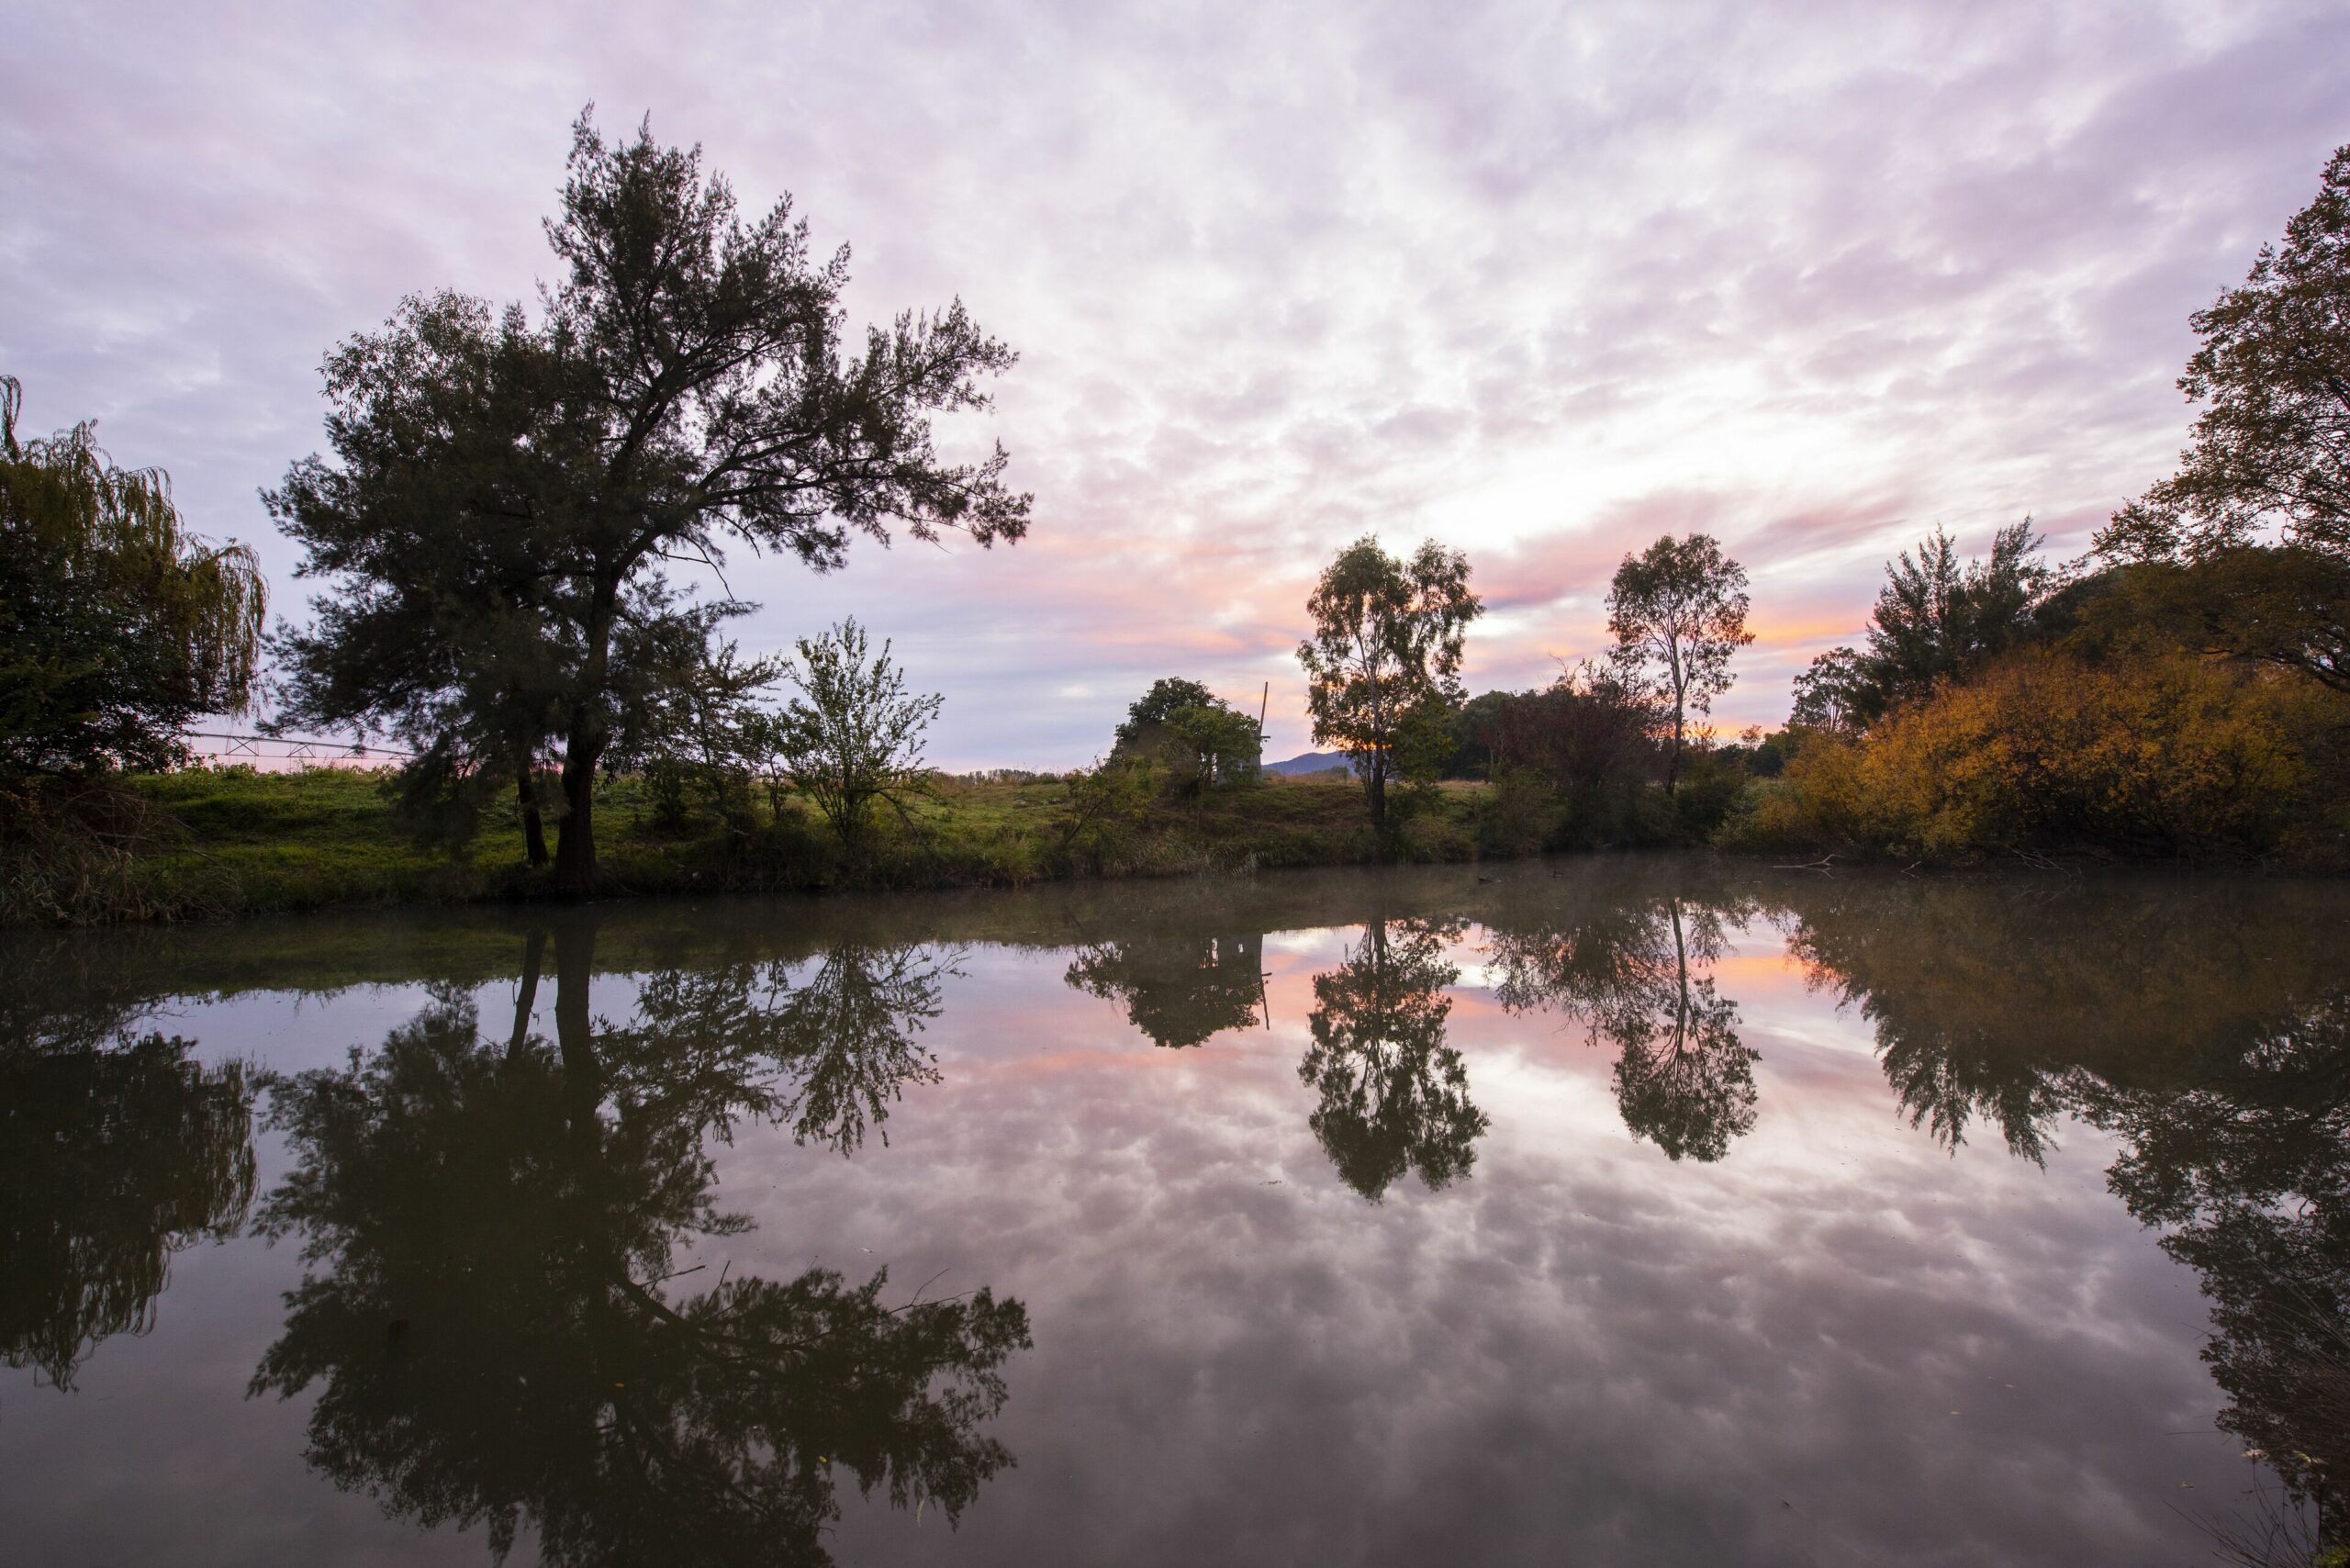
1197 736
1385 651
1168 695
853 736
505 493
1678 610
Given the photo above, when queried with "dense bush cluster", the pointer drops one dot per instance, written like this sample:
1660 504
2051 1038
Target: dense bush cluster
2160 755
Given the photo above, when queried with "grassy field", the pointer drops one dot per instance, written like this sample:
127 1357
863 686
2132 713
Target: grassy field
231 840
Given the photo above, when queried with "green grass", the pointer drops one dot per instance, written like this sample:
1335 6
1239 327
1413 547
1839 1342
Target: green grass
238 841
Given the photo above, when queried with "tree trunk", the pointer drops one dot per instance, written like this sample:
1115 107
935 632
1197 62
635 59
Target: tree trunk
1376 781
526 997
534 834
583 1078
584 741
575 847
575 963
1672 757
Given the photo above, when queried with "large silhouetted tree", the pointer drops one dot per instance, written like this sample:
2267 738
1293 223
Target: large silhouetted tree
506 490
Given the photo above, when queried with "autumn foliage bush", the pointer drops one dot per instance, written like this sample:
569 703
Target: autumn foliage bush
2165 755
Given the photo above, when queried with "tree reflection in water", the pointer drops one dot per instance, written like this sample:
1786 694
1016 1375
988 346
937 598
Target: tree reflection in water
491 1231
2249 1174
1178 990
1394 1097
2217 1053
1684 1079
113 1155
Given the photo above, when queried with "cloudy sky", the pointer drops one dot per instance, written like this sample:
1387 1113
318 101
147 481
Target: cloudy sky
1540 281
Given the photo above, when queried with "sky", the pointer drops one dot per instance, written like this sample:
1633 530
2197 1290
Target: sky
1541 281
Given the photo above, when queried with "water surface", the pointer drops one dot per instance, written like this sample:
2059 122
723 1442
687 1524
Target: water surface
1626 1211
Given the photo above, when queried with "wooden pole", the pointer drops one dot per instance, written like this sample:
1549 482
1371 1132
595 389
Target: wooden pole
1263 699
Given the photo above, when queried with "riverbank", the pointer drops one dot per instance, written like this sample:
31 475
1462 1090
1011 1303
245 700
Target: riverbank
231 841
219 843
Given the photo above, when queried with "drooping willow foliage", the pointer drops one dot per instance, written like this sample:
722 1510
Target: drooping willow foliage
117 625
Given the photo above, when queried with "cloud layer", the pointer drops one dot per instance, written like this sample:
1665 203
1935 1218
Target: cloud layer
1540 285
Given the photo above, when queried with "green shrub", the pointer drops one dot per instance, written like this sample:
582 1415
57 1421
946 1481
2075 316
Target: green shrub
1519 814
1708 787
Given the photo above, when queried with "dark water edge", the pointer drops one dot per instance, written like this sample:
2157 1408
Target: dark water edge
1628 1208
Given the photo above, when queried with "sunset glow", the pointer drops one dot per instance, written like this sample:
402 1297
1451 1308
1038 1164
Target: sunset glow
1540 285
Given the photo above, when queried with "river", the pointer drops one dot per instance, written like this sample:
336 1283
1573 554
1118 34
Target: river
1626 1210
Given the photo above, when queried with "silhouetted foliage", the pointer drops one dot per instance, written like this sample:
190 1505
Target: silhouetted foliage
1165 697
507 491
490 1231
113 1156
1586 732
1193 738
699 730
1570 763
1180 990
853 738
1394 1096
1684 1079
120 625
2269 455
2278 606
1935 620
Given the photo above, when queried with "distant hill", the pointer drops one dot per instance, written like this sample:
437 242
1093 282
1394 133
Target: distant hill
1311 762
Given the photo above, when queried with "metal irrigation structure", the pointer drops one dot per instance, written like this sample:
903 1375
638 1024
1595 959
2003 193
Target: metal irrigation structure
295 751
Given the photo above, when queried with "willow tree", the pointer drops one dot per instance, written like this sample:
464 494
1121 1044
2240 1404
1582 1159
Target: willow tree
120 625
508 488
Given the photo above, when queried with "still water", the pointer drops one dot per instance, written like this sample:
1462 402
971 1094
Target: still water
1650 1211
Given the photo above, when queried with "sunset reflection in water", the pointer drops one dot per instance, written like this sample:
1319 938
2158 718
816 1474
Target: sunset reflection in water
1625 1210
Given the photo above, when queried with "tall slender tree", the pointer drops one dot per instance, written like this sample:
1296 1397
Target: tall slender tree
507 490
1678 610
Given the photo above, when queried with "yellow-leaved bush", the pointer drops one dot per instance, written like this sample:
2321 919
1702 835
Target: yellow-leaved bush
2165 755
